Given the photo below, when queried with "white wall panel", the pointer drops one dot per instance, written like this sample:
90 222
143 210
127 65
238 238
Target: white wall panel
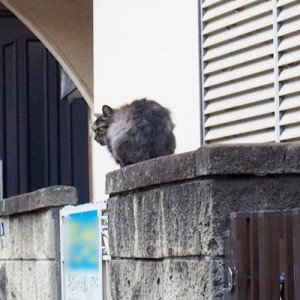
145 48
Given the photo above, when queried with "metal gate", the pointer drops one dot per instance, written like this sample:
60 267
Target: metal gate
265 255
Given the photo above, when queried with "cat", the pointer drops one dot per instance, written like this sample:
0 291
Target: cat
135 132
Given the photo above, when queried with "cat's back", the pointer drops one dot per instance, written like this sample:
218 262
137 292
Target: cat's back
148 114
138 116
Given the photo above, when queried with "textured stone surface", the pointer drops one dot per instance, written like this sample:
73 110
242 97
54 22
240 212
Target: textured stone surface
29 236
30 244
275 192
257 159
176 279
29 280
136 279
43 198
158 218
161 222
190 218
152 172
240 159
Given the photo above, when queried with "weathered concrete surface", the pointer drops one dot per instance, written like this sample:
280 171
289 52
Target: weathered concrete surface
155 171
160 222
47 197
190 218
255 159
29 280
175 279
30 245
164 216
30 236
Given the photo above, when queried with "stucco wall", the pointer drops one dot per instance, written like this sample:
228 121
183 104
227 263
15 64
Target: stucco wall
146 48
168 216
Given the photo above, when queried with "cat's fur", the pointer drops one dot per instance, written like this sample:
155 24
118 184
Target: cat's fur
135 132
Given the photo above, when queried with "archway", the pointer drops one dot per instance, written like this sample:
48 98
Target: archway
65 27
43 139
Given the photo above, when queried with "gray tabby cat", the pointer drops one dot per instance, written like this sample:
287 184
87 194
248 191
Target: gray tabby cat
135 132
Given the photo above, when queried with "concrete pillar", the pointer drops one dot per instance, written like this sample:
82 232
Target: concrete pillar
30 243
168 216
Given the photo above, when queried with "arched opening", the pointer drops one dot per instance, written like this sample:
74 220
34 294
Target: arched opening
66 29
43 139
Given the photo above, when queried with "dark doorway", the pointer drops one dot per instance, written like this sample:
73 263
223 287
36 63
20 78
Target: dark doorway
43 140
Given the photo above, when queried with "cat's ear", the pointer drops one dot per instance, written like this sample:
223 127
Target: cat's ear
97 115
107 111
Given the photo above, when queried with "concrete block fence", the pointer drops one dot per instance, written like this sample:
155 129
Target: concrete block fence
30 245
168 216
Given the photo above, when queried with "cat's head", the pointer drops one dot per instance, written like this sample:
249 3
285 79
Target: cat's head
102 123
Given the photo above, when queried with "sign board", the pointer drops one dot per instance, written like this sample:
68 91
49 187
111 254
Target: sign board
81 252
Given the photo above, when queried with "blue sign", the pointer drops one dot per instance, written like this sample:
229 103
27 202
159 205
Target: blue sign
82 242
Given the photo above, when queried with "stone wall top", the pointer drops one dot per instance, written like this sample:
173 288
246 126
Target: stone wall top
234 159
44 198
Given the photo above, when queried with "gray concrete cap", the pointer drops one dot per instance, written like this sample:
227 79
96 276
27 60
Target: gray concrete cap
44 198
256 159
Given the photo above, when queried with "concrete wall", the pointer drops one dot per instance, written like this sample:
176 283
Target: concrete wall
168 216
145 48
29 244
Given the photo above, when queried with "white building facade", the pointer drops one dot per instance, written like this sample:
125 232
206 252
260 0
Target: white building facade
147 49
228 70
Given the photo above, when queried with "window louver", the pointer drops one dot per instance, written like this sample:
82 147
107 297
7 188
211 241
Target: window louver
250 54
289 63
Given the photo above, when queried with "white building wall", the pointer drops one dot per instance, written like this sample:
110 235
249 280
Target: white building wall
146 48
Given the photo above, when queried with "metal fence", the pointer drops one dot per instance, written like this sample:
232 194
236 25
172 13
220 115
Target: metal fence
265 255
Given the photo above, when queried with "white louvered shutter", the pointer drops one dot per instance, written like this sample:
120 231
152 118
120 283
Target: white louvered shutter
289 63
244 48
